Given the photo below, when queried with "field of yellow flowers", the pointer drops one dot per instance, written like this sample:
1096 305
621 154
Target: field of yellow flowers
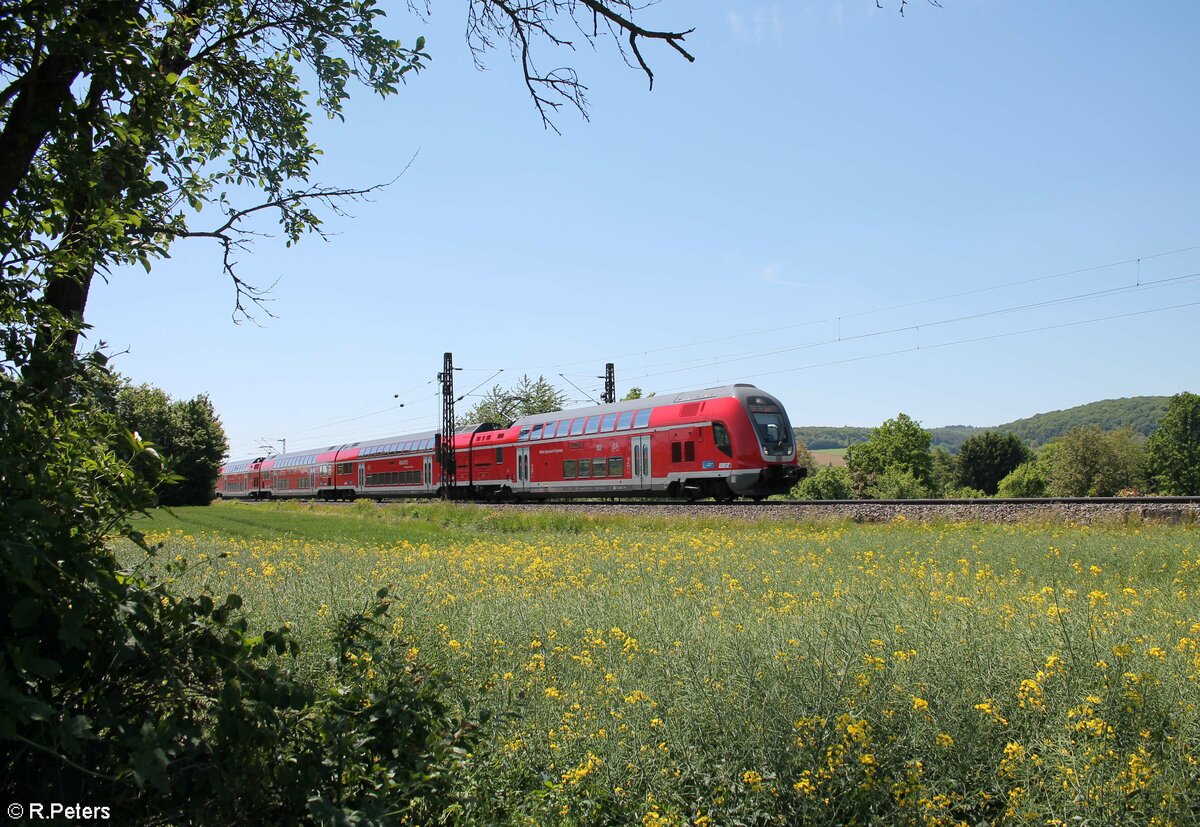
708 672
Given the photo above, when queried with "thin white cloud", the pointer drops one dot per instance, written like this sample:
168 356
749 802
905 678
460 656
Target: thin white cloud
761 25
773 274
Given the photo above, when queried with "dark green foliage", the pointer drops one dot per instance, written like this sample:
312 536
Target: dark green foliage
185 432
900 445
126 117
987 458
896 483
1175 447
170 709
1028 479
829 483
945 471
1090 462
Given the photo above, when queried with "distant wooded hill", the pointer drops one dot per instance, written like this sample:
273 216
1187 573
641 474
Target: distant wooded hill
1141 413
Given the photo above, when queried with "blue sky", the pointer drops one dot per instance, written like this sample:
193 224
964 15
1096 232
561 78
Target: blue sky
862 213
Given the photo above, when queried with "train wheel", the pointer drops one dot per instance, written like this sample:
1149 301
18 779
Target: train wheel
722 493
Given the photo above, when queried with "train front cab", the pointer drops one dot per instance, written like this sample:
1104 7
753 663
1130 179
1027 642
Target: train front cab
767 459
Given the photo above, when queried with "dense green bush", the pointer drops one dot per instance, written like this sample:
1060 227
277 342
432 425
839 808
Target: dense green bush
1026 480
830 483
899 445
897 484
169 708
1090 462
186 431
987 458
964 492
1175 447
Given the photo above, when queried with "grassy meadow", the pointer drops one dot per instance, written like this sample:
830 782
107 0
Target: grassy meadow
715 672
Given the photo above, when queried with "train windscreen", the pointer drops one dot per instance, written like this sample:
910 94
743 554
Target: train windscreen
771 425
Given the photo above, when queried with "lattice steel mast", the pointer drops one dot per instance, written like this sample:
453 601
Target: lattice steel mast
445 453
610 384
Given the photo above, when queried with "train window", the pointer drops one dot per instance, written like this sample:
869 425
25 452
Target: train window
523 435
609 423
689 451
599 468
625 422
537 431
642 419
499 455
616 467
585 468
549 431
345 468
577 426
721 439
593 424
564 427
676 452
568 469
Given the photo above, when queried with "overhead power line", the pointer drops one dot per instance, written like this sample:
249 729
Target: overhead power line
914 348
838 317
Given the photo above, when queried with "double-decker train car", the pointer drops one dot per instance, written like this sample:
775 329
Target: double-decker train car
240 479
725 442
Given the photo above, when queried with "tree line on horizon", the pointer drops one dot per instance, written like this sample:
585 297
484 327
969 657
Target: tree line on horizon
898 460
1141 414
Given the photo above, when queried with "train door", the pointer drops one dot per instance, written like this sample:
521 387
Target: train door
362 477
428 472
641 462
523 469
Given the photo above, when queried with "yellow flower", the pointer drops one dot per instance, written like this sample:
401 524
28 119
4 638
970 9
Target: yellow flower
920 704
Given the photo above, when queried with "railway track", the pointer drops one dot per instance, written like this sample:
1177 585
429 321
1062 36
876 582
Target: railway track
990 501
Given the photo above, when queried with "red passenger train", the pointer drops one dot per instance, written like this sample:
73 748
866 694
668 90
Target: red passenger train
726 442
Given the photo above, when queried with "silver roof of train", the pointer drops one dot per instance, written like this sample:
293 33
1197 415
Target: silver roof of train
738 391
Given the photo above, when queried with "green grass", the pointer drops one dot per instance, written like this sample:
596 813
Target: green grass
671 671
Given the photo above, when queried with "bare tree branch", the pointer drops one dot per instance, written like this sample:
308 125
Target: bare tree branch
524 22
234 238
